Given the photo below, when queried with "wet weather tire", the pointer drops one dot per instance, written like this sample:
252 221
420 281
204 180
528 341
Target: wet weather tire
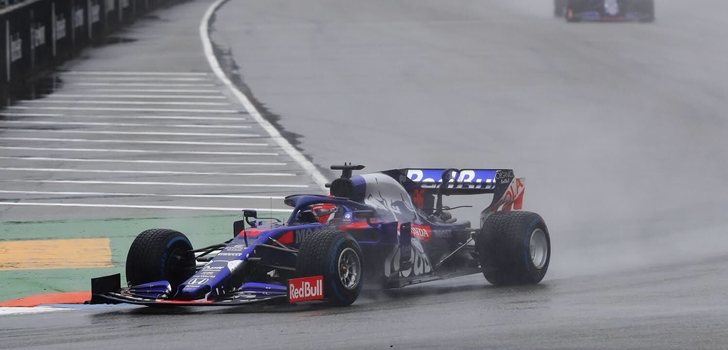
338 258
514 248
160 254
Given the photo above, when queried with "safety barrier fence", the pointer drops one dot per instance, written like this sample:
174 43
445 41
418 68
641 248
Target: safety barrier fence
38 35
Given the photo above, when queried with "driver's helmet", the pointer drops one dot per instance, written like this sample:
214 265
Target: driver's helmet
323 211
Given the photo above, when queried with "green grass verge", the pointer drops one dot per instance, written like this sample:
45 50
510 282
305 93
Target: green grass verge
202 231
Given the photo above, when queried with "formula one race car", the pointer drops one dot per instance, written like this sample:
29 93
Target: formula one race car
605 10
387 229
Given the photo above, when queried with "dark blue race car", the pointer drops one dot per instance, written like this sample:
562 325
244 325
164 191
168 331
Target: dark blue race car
386 229
605 10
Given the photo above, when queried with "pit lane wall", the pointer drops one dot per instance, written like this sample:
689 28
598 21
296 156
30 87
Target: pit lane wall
38 35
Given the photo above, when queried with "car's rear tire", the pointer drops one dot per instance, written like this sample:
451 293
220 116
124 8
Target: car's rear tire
160 254
514 248
338 258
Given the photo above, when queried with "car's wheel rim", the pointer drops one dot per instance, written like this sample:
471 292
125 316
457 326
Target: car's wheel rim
349 268
538 248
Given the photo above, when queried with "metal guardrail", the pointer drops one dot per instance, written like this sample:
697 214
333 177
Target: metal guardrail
37 35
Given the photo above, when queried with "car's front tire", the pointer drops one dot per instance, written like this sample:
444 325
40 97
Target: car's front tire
160 254
514 248
338 258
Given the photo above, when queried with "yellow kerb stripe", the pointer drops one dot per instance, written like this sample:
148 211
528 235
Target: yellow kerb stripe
55 254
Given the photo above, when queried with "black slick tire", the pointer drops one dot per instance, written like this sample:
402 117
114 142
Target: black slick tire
505 246
160 254
321 254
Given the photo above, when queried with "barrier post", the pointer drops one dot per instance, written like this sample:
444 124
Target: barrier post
89 20
8 71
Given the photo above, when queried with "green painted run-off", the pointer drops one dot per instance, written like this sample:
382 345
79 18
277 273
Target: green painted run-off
202 231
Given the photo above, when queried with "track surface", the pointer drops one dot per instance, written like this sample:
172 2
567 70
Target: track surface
141 128
618 127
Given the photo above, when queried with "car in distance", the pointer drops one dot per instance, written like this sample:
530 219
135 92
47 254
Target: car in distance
605 10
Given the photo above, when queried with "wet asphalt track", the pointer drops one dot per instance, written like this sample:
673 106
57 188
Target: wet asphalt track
619 129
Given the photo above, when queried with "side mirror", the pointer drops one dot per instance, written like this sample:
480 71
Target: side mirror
249 213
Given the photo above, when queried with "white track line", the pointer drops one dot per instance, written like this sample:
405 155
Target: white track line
154 142
133 103
141 161
112 73
106 150
106 194
274 133
140 117
178 91
191 126
139 133
11 114
86 205
6 311
119 109
149 172
143 85
137 78
154 183
172 97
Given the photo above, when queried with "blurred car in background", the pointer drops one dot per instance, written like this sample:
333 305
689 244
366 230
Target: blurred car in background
605 10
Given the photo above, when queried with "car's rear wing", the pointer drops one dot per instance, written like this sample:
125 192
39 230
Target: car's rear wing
457 181
507 190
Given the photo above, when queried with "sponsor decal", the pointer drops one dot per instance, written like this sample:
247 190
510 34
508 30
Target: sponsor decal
197 281
16 47
301 234
95 13
420 263
305 289
504 176
37 37
475 179
422 232
78 18
513 197
60 27
228 254
235 248
209 271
